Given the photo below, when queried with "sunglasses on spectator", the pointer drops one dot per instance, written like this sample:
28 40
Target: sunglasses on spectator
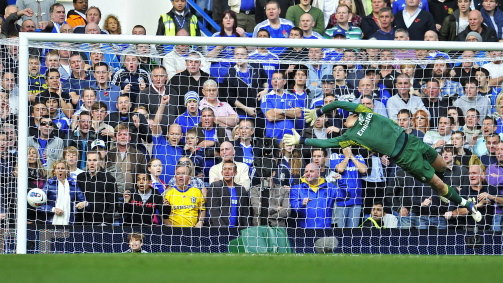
184 163
46 124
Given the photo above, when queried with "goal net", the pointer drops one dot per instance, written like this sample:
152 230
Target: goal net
178 143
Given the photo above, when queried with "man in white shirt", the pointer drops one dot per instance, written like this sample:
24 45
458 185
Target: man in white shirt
227 153
437 139
403 99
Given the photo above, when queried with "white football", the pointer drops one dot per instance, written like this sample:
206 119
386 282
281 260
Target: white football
36 197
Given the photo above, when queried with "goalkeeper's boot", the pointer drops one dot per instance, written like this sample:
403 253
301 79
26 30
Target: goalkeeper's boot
470 205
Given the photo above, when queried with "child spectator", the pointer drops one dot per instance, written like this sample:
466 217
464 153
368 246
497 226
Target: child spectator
112 25
71 156
135 242
143 205
155 168
190 118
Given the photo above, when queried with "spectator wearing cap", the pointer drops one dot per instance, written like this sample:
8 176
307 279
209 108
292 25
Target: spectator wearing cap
475 23
129 160
473 36
225 116
342 15
335 54
151 96
192 116
386 31
415 20
328 88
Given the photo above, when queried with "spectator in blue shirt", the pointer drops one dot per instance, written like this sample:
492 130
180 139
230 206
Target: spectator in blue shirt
190 118
105 91
79 77
350 167
386 31
166 149
313 199
276 26
281 108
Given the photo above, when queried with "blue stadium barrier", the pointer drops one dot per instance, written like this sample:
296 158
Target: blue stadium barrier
206 19
112 239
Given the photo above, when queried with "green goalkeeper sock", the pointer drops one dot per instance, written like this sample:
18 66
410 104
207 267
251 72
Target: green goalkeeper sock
453 196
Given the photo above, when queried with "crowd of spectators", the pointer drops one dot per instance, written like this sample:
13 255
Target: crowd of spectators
181 139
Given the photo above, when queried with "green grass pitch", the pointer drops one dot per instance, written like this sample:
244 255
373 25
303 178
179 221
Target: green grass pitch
139 268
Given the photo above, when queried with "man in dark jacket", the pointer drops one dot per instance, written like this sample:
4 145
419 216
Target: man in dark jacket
228 203
475 23
178 18
100 191
422 21
370 23
136 122
143 205
192 79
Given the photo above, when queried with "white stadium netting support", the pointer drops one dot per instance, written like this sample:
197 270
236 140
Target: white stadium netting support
179 139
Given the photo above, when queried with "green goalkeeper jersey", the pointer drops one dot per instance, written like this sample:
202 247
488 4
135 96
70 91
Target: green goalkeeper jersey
372 131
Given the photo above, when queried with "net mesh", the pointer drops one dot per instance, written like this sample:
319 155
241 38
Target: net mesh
149 141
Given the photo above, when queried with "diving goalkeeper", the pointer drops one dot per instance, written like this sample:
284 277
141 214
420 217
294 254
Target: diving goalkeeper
380 134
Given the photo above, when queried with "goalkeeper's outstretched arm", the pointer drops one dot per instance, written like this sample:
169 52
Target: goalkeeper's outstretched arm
312 115
295 139
348 106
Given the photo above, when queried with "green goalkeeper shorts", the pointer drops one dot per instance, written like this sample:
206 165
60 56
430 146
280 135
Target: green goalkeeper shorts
416 158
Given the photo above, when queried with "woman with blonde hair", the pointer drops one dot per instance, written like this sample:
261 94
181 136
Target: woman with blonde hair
36 171
421 121
112 25
289 167
63 195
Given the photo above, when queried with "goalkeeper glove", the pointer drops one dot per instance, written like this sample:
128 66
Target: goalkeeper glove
312 114
292 139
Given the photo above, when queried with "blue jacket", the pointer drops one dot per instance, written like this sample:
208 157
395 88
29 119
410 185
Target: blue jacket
317 213
498 19
51 190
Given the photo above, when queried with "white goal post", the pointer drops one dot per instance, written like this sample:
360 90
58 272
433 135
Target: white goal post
27 39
